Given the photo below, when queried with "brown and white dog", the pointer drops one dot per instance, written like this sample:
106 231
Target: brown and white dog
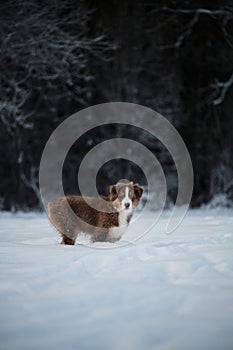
105 219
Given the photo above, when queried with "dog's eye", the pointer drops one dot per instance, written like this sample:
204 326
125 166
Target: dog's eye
120 196
131 194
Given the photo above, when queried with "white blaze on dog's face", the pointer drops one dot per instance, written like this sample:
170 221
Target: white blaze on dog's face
125 196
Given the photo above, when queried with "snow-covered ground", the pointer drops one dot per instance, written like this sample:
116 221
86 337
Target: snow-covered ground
163 291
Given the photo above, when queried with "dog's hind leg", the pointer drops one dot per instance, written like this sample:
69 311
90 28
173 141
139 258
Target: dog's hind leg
69 235
64 220
67 240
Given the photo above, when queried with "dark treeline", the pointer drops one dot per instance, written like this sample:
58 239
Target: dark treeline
58 57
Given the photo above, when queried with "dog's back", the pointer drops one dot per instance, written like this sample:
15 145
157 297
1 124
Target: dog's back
72 215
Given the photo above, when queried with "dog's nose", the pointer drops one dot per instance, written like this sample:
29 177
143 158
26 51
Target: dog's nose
127 205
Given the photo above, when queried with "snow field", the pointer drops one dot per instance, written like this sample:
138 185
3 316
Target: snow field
163 291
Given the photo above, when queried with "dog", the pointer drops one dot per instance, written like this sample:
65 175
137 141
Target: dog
105 219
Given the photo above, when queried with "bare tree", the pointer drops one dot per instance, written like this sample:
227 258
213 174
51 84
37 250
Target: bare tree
47 62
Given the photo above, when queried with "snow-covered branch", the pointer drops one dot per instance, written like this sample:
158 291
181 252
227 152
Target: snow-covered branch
220 89
49 53
32 183
11 107
186 32
225 14
224 11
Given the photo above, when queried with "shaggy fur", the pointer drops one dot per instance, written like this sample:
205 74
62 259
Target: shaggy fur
101 225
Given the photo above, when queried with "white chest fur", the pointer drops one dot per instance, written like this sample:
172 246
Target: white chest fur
117 232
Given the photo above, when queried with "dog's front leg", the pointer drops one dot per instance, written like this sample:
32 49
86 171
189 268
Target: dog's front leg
100 235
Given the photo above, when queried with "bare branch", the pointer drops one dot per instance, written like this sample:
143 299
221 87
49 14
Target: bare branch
32 183
221 89
187 31
192 11
225 14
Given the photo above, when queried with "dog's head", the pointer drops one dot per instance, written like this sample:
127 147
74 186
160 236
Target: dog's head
125 196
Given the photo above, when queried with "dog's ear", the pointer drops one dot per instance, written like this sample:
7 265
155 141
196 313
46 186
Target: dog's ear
113 192
138 191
